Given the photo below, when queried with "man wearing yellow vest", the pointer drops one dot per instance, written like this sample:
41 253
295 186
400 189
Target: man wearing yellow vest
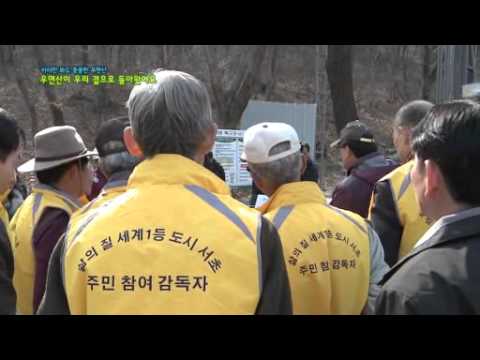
333 256
116 163
441 276
10 150
175 242
62 168
394 212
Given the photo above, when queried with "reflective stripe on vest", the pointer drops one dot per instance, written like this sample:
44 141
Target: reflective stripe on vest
408 211
281 216
36 204
213 201
23 226
259 254
404 186
340 212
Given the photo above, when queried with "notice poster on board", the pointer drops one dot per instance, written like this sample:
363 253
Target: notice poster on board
227 150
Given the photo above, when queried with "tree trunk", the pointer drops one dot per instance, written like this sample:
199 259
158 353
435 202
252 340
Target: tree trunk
54 106
244 88
165 57
116 58
340 79
15 67
426 72
405 72
102 100
7 60
84 53
66 55
215 86
234 77
272 73
319 119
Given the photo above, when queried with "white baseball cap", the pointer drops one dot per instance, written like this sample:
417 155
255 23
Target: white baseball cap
259 140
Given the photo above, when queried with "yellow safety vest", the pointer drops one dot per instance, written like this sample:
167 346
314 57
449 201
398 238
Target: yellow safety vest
174 243
326 250
23 225
409 213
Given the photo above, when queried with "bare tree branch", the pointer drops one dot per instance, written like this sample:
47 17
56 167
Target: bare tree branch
54 106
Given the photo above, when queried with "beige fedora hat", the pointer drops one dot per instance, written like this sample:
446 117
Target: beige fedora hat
54 146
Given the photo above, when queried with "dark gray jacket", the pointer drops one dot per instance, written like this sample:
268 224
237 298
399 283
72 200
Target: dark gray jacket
8 297
441 275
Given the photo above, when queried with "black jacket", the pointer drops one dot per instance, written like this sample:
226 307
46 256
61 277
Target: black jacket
355 191
311 171
8 296
255 192
215 167
440 276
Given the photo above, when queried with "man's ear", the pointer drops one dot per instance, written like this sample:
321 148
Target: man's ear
73 172
408 136
258 182
432 178
304 165
349 152
131 144
207 145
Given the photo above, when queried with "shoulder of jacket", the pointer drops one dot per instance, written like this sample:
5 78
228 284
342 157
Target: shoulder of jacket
417 271
346 183
399 171
354 216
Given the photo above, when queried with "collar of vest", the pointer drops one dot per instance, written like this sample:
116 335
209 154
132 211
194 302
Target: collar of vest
4 214
3 196
296 193
170 169
46 189
401 171
407 167
117 180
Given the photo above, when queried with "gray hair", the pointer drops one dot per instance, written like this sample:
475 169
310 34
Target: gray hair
117 162
281 171
172 116
412 113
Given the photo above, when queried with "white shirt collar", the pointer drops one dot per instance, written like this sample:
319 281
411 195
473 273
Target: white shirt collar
446 220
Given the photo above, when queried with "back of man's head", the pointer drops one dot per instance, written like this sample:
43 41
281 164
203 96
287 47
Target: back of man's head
171 116
449 135
305 148
412 113
114 156
272 151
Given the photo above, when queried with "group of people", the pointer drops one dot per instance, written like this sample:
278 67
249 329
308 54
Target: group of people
163 235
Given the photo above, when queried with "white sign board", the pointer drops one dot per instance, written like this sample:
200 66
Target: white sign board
471 90
301 116
227 150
